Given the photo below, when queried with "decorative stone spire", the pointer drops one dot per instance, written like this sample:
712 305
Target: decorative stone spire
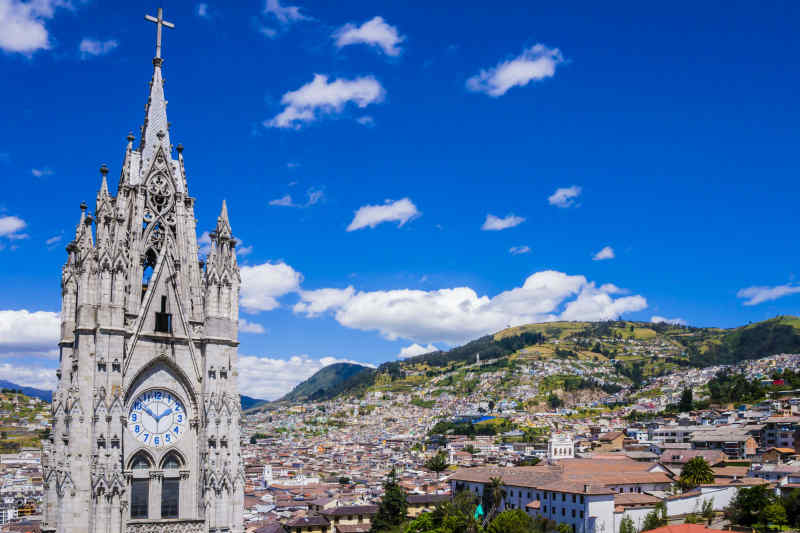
155 131
223 230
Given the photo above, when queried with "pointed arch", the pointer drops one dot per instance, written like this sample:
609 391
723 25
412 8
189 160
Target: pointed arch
152 365
173 459
141 460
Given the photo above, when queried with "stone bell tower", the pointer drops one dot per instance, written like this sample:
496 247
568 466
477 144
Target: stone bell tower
146 414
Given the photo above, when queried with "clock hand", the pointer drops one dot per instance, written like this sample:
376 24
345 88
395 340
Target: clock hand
165 413
149 412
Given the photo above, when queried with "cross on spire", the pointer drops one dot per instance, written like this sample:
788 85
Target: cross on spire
159 21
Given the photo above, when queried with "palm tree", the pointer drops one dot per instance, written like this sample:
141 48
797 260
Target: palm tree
495 494
695 472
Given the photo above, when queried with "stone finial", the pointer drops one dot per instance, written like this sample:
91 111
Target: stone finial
180 148
104 170
84 207
130 138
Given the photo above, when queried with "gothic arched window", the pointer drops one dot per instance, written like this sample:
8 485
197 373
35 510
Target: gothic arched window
140 486
170 486
171 462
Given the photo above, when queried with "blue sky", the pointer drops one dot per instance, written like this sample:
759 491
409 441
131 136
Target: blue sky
362 149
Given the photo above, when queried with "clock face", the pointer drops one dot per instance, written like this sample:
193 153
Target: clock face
157 418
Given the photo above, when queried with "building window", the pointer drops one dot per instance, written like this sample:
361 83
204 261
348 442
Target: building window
140 489
169 498
573 513
101 366
163 319
140 462
223 374
563 497
115 366
581 498
545 508
574 498
171 462
581 514
563 511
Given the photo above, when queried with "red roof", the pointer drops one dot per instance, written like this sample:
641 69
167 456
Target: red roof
686 528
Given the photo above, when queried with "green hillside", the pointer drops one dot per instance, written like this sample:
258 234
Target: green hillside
328 382
638 350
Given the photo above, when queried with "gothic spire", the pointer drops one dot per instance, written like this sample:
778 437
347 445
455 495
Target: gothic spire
155 131
223 224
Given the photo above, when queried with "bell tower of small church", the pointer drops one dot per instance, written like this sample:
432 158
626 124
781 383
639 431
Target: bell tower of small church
145 435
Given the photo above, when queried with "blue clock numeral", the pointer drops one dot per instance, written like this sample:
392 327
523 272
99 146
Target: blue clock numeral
155 441
167 437
180 419
136 428
178 407
158 395
133 417
146 436
176 430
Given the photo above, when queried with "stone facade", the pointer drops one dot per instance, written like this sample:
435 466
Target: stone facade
142 317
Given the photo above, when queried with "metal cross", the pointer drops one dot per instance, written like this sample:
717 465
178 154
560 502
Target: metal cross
159 22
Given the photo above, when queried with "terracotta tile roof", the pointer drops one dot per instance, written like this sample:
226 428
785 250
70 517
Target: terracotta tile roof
685 528
350 510
353 528
313 520
427 498
712 457
632 499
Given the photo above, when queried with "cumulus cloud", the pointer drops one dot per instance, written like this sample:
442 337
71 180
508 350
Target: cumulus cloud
29 375
565 197
263 284
93 47
40 172
366 120
270 378
416 349
606 253
759 294
374 32
29 332
204 244
53 240
400 211
245 326
321 97
493 223
456 315
655 319
22 24
534 64
518 250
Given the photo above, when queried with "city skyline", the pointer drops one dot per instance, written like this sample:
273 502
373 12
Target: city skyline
399 186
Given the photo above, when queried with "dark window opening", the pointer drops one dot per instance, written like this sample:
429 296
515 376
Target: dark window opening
163 319
223 374
101 442
140 462
115 366
169 498
140 489
149 264
171 462
101 367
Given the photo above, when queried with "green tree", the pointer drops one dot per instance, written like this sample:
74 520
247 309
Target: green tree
686 401
470 449
421 524
563 528
773 515
708 510
393 506
512 521
626 525
746 507
554 401
493 495
437 463
655 518
790 499
695 472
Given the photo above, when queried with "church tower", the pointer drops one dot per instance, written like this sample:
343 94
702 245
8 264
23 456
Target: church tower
146 414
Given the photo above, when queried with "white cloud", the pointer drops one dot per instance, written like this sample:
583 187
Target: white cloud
760 294
93 47
269 379
319 97
392 211
10 227
242 251
493 223
655 319
204 244
565 197
518 250
201 10
23 331
605 253
315 196
37 172
416 349
374 32
284 14
22 24
313 303
263 284
283 201
456 315
245 326
536 63
29 376
268 32
53 240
